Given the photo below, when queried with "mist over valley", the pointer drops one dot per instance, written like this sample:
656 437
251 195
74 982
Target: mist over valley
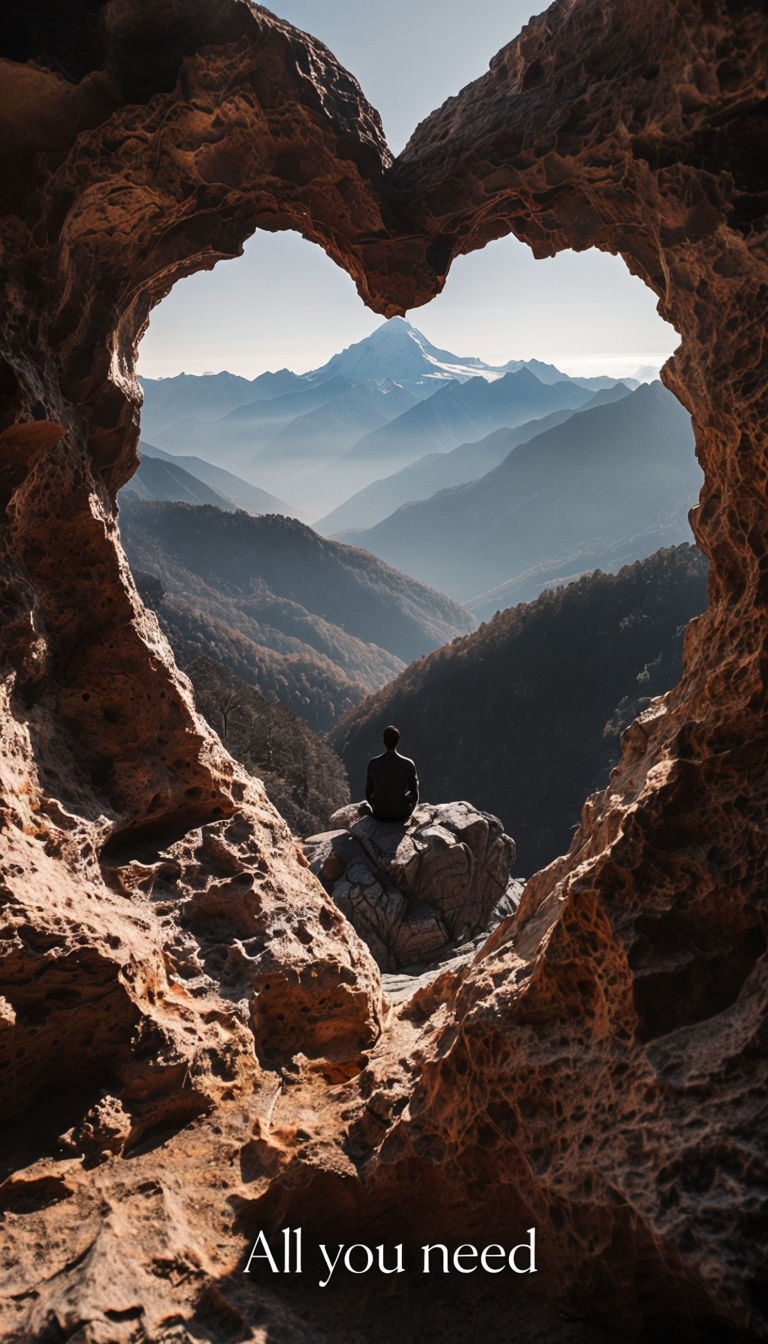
439 490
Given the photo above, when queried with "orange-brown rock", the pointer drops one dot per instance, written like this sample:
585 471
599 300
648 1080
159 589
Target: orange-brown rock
600 1069
164 946
610 1051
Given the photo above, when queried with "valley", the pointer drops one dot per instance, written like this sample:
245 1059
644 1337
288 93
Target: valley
559 504
386 404
523 717
269 593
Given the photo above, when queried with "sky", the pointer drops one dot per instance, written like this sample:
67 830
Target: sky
284 304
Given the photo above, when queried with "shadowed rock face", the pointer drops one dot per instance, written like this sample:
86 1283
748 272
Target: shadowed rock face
626 999
599 1069
164 943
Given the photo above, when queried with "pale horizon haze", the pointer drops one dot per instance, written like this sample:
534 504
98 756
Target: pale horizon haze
284 304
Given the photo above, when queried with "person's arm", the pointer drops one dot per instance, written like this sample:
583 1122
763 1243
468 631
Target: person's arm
412 792
369 788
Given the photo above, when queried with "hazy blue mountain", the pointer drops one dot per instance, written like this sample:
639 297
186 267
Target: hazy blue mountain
396 356
158 480
206 396
459 412
309 441
273 443
192 480
235 438
558 504
670 527
549 373
280 410
438 471
319 437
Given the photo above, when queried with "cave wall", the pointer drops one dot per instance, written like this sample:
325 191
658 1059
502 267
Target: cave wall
626 1001
142 142
601 1067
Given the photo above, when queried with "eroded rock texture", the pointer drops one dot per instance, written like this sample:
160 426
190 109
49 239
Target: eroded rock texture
139 143
164 946
413 892
611 1049
600 1069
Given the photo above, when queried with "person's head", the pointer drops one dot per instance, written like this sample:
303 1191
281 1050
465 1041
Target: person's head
391 737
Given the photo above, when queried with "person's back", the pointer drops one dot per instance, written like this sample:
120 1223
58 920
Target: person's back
392 785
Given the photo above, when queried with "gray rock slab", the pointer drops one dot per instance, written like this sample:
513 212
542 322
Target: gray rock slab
415 890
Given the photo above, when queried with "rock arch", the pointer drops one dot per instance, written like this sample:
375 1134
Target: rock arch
607 1044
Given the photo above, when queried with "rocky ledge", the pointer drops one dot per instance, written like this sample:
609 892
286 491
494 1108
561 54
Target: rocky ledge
414 891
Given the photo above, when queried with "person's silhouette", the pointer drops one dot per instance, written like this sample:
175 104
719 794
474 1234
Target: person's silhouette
391 785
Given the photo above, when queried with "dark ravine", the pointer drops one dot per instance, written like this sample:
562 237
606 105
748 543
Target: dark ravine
302 774
600 1067
523 716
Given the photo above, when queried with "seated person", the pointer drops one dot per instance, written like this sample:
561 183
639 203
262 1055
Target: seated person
392 785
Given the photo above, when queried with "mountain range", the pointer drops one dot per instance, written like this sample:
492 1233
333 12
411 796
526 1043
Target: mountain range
439 470
608 485
315 439
456 414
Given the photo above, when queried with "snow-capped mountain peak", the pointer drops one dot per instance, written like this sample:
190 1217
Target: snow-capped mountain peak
397 352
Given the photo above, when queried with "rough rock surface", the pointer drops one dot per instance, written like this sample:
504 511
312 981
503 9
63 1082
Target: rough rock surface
164 947
600 1067
628 998
413 891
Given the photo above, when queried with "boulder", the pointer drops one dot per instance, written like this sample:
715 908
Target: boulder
412 891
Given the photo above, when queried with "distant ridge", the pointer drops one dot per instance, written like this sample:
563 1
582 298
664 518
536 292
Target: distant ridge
473 408
206 396
605 487
316 439
192 480
439 471
158 480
